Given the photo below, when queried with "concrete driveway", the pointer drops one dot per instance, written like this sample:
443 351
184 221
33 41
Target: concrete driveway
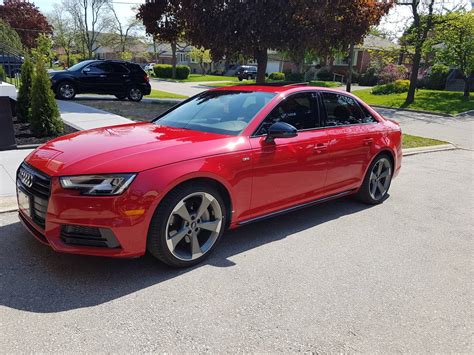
339 277
187 89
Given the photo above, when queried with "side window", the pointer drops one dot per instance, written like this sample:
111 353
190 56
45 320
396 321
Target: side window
100 68
119 68
298 110
343 110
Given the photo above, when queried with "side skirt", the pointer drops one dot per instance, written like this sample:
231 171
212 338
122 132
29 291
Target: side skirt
297 207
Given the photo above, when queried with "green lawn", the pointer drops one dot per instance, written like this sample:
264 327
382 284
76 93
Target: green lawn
326 84
199 77
426 100
410 141
158 94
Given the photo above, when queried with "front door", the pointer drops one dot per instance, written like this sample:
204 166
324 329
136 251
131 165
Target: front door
292 170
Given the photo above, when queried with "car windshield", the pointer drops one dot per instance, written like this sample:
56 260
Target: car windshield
224 112
80 65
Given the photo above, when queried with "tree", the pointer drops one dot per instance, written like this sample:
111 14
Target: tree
9 37
456 48
44 49
24 93
163 20
239 27
64 32
90 20
26 19
201 56
125 30
45 119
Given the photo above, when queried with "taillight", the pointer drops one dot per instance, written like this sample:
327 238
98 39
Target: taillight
147 79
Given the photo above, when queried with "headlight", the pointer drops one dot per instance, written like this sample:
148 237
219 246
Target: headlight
98 185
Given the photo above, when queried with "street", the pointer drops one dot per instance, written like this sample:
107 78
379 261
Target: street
338 277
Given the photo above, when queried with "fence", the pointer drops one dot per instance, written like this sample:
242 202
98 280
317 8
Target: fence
11 59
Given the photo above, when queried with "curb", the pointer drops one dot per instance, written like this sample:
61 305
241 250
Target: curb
419 111
430 149
8 204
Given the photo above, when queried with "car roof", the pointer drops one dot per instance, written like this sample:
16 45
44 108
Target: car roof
275 88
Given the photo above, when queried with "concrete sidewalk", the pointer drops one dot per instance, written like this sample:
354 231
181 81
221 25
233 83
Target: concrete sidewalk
84 117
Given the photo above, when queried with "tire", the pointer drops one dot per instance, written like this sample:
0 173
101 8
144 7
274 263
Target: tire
66 91
121 97
377 180
240 78
134 94
178 225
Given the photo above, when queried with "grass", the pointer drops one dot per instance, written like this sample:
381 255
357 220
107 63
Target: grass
410 141
158 94
425 100
325 84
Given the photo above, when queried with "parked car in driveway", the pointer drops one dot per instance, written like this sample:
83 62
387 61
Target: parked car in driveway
11 64
112 77
149 67
246 72
221 159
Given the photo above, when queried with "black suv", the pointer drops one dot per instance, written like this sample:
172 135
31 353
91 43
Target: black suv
113 77
11 64
246 72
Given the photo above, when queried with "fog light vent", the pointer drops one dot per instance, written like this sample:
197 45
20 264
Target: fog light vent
88 236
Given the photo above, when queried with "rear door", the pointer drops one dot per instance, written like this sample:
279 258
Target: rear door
117 80
93 78
292 170
351 133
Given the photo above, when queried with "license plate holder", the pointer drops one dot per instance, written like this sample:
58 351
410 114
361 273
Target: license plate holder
24 202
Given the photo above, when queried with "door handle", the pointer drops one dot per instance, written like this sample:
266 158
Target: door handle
368 141
102 76
320 147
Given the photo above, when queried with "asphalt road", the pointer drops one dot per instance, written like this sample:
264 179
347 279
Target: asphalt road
339 277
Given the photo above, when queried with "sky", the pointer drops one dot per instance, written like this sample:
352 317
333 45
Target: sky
393 24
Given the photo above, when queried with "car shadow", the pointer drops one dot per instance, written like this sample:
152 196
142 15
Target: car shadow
36 279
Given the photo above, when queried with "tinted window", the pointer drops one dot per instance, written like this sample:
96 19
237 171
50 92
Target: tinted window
118 68
101 68
225 112
343 110
297 110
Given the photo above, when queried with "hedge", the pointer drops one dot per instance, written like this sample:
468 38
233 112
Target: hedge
277 76
397 87
165 71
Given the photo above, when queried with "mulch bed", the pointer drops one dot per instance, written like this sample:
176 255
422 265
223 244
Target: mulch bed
24 136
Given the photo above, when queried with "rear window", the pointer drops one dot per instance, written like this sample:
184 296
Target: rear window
224 112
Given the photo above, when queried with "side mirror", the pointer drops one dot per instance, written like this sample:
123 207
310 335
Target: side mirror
86 70
280 130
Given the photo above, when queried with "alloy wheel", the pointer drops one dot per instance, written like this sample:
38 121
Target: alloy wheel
67 91
135 94
379 181
194 226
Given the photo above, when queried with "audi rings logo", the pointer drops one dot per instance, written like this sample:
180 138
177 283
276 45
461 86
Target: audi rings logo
25 177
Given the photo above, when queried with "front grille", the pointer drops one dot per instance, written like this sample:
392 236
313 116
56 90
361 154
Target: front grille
38 186
88 236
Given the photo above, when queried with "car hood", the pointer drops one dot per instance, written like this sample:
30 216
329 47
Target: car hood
128 148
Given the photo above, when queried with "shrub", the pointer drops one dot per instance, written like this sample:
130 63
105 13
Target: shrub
298 77
436 80
392 72
165 71
45 119
369 78
397 87
24 93
277 76
3 75
324 74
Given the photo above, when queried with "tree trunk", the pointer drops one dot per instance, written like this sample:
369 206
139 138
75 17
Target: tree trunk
466 86
262 59
349 63
414 76
173 59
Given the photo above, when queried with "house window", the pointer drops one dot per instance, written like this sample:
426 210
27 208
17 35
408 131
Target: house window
183 57
342 59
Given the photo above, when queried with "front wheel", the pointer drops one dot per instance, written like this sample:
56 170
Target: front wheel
377 181
187 225
134 94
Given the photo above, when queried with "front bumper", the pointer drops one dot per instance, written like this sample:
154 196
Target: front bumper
118 224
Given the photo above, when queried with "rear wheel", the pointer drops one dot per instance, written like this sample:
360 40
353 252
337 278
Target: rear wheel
134 94
377 181
187 225
66 91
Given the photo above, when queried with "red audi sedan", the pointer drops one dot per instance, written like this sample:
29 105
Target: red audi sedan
222 159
